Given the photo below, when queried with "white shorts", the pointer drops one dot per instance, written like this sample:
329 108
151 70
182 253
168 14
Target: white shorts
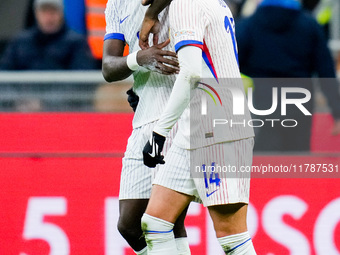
217 174
136 178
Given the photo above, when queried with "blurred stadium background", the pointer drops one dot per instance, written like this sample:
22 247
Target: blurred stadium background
62 138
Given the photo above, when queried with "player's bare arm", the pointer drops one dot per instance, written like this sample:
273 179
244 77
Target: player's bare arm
114 67
151 23
156 59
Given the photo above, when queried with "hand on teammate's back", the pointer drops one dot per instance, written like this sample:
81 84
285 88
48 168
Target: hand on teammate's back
153 149
149 25
159 60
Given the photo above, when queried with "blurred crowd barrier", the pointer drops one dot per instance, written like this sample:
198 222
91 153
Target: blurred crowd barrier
81 91
66 91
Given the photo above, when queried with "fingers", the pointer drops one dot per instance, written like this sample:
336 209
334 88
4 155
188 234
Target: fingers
163 44
145 31
168 53
155 39
149 25
169 61
144 36
161 61
161 160
166 69
152 162
143 44
155 31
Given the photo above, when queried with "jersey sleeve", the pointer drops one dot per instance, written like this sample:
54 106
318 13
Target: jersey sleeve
113 28
187 24
191 71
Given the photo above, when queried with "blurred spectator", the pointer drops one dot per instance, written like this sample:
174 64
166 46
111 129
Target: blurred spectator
74 12
85 17
75 15
280 40
48 46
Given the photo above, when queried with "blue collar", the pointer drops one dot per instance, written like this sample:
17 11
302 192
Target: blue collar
289 4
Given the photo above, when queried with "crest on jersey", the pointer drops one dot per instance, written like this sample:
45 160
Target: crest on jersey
185 32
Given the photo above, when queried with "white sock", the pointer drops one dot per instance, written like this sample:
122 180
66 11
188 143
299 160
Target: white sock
239 244
142 252
182 245
159 236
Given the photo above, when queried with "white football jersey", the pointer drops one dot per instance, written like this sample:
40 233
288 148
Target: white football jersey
123 22
209 25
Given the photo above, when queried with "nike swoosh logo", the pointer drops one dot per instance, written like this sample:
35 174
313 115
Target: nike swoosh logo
122 20
154 148
209 194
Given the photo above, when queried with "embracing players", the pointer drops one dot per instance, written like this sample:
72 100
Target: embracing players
148 67
202 32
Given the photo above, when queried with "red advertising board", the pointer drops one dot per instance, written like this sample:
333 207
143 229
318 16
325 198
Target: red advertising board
59 180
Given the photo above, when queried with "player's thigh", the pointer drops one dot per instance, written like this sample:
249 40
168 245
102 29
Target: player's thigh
135 180
175 173
222 172
229 219
167 204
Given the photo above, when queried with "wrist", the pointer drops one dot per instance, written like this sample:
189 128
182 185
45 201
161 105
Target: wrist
131 61
161 137
159 131
155 8
151 13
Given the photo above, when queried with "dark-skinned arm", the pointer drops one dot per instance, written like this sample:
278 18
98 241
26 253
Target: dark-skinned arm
151 22
115 68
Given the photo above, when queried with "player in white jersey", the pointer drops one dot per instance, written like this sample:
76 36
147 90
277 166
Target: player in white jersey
153 88
203 35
